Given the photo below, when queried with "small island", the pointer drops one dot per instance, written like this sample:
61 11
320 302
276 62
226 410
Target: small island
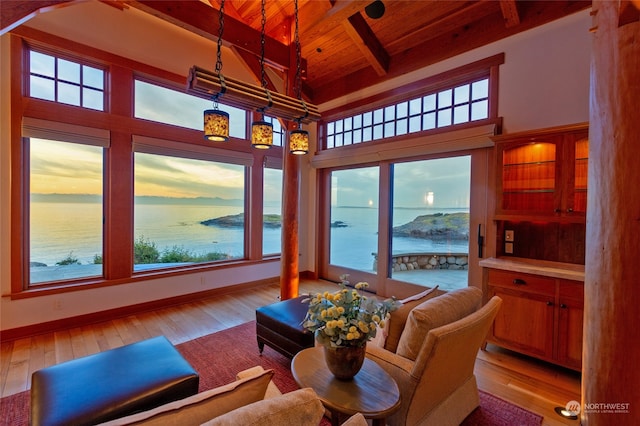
437 226
272 221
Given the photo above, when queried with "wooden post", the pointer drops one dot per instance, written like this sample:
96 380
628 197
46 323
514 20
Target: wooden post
289 276
610 375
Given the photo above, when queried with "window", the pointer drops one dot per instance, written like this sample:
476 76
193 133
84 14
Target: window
354 218
272 211
157 103
65 210
64 81
430 231
186 211
455 105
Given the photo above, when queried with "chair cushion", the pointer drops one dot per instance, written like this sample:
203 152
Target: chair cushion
433 313
204 406
300 407
395 325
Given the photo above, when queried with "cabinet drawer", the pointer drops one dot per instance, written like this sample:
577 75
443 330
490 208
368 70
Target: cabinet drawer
522 282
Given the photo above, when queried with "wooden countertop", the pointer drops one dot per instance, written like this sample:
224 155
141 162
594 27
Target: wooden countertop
567 271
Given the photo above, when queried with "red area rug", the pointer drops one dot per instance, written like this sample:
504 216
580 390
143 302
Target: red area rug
219 356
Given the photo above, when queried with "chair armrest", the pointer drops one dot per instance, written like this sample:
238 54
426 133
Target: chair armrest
396 365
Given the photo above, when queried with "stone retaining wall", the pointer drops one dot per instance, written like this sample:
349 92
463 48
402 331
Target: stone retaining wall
413 261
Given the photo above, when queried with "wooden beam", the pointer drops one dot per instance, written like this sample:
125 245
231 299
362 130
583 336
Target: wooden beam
206 84
510 13
454 42
252 63
360 32
318 17
200 18
15 13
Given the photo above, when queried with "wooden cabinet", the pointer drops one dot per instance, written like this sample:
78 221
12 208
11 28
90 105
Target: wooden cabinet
543 174
540 316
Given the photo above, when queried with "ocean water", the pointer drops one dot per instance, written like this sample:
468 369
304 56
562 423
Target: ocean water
356 245
62 229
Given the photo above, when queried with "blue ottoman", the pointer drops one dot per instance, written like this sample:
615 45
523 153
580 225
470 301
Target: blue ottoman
111 384
279 325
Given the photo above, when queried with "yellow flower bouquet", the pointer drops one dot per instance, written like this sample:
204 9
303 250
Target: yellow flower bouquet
346 317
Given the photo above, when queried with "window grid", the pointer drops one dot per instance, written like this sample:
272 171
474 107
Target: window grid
64 81
447 107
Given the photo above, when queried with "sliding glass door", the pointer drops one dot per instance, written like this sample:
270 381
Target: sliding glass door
354 218
430 222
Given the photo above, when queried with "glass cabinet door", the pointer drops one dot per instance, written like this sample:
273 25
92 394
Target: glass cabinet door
529 177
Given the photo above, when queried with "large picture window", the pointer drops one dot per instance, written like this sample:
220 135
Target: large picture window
186 211
65 210
157 103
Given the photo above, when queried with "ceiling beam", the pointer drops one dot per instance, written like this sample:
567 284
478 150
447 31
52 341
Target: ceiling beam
453 42
201 19
510 13
16 13
318 17
360 32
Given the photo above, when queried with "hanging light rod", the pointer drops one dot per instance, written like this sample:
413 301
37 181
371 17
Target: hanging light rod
206 84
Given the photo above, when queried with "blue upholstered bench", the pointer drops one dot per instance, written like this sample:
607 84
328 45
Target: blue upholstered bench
111 384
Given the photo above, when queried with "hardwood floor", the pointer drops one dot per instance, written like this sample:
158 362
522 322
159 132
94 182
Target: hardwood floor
531 384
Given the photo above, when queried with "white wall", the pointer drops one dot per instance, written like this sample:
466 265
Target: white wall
544 82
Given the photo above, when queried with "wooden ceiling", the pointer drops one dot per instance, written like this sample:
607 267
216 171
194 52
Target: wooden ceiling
344 49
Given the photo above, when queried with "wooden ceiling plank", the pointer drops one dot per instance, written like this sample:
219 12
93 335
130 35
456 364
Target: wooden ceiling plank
452 43
202 19
510 13
361 34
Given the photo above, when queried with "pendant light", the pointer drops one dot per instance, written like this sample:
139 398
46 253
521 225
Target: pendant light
298 139
261 130
216 122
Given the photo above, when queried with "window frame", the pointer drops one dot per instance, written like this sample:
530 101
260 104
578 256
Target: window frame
467 74
117 176
451 141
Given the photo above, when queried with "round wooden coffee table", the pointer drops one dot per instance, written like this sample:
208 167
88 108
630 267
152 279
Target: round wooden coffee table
372 392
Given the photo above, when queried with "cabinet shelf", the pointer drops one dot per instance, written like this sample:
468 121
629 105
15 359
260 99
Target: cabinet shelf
529 163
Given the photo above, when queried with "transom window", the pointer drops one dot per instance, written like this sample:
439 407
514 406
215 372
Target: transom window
64 81
455 105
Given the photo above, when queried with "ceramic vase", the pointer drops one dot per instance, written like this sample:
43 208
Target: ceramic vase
344 362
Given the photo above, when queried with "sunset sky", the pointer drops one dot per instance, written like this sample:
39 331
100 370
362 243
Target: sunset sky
65 168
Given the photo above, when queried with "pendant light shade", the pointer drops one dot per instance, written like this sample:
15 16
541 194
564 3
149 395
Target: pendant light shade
216 125
261 134
299 142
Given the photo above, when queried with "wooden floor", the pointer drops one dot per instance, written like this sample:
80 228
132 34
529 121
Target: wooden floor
534 385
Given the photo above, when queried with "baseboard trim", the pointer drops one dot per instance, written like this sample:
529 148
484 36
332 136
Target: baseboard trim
123 311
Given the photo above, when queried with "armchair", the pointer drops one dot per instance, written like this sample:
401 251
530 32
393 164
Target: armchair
434 360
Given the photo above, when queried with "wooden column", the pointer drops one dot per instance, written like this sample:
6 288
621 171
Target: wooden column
289 275
612 291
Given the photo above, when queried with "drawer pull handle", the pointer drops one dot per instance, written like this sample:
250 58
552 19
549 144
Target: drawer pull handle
563 306
519 281
549 303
